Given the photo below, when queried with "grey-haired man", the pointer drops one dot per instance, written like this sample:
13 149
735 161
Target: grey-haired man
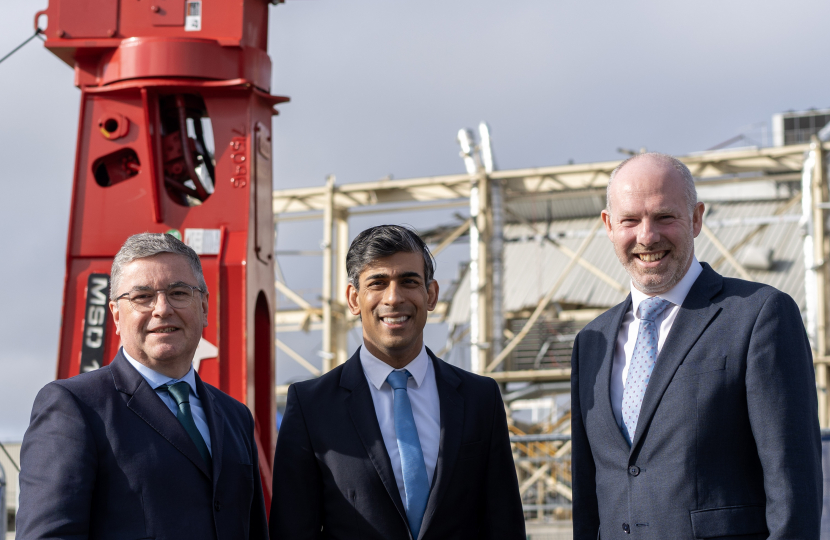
142 448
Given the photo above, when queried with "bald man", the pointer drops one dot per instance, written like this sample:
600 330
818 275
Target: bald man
694 410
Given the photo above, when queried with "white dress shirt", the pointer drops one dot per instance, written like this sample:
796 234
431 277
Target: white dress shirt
423 395
156 379
627 335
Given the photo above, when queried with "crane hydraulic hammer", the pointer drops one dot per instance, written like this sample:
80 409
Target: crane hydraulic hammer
174 136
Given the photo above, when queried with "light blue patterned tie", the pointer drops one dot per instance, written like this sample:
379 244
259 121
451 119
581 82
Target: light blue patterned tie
415 482
642 364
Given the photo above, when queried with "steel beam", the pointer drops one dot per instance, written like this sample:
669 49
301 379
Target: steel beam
725 252
724 166
543 303
531 375
819 191
298 358
327 352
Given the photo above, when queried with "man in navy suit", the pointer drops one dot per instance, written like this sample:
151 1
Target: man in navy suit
694 410
142 448
395 444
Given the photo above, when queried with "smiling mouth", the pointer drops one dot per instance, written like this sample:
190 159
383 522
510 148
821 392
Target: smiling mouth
395 320
167 330
651 257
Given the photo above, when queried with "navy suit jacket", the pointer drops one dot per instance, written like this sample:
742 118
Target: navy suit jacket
104 458
333 478
727 442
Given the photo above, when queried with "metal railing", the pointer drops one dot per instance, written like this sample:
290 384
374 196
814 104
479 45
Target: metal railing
543 468
550 437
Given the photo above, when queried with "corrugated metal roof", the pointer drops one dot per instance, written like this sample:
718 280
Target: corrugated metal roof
541 209
532 264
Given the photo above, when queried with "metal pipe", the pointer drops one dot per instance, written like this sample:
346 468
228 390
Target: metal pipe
810 277
497 267
328 319
819 260
188 157
341 329
2 501
475 269
465 140
496 243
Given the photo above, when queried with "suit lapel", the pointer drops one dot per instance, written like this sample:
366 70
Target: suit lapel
362 411
451 404
216 427
603 391
149 407
694 316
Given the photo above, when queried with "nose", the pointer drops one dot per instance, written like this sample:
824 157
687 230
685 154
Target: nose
648 233
392 294
161 307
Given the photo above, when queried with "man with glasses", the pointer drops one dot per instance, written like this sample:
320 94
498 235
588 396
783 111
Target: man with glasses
142 448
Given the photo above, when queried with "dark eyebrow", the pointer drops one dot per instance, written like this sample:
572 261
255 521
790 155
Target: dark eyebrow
376 276
386 276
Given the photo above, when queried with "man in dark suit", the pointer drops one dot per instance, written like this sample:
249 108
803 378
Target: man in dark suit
694 411
395 444
142 448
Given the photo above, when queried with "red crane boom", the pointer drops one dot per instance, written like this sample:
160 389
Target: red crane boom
174 136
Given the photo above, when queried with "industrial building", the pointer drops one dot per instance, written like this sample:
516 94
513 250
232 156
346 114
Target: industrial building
540 267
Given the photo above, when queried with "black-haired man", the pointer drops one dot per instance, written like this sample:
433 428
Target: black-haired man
395 443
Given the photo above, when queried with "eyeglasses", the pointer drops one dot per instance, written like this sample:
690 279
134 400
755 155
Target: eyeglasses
178 296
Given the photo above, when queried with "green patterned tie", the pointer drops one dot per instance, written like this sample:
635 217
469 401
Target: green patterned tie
181 393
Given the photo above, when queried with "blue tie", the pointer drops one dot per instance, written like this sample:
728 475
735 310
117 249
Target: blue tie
415 481
642 364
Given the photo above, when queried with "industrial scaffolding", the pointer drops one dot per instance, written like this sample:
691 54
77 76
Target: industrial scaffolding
493 334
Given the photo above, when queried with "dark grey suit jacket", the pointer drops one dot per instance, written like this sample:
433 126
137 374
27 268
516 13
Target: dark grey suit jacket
104 458
727 443
333 478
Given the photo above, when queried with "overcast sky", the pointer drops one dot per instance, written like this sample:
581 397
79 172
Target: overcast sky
382 87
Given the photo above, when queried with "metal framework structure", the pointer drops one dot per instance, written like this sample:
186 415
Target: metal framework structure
542 450
336 203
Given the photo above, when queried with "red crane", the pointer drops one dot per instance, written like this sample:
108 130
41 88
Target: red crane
174 136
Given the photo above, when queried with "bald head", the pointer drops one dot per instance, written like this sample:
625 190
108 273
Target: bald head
652 219
662 161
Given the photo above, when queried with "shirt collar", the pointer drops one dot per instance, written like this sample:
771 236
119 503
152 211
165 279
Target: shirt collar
676 295
377 370
156 379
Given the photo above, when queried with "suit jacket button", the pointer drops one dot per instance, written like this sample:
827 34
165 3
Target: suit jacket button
634 470
626 528
217 505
